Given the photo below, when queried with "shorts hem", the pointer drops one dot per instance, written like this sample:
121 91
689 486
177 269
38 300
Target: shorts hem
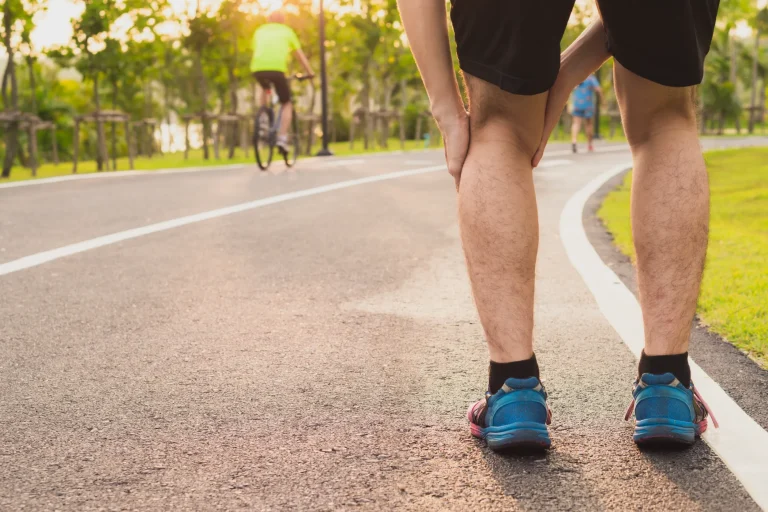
649 75
509 83
583 114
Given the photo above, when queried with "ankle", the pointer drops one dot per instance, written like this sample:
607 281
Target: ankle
676 364
498 373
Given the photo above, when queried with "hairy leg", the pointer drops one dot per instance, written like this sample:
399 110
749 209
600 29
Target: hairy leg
670 206
575 128
498 215
285 118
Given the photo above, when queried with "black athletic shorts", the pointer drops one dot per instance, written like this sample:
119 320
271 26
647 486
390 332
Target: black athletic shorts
268 79
515 44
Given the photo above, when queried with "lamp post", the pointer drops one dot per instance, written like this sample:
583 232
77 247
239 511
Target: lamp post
324 151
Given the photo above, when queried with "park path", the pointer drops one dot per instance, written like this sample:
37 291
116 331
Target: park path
318 353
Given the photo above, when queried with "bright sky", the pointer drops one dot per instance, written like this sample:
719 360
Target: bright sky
54 26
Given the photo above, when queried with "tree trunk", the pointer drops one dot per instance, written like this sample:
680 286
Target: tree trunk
149 127
733 60
101 147
365 97
167 102
113 135
232 132
12 133
203 102
5 86
733 76
753 102
32 83
403 105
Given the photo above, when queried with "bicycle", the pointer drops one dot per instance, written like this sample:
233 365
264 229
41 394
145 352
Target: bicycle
266 125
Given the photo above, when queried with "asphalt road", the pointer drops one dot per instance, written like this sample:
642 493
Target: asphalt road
314 354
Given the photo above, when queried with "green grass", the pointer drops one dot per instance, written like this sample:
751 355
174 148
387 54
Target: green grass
176 160
734 294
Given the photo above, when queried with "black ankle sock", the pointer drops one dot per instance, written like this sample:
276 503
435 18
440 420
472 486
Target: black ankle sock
498 373
676 364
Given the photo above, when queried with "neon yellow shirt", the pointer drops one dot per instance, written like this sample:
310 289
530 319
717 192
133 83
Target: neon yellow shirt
272 46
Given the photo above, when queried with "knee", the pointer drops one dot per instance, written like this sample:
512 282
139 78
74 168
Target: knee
504 118
650 110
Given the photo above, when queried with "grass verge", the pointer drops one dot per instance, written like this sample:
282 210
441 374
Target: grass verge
177 160
734 293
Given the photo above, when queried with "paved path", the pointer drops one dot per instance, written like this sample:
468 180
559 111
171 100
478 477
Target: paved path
314 354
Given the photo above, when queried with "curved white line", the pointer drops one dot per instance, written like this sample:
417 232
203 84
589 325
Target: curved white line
740 442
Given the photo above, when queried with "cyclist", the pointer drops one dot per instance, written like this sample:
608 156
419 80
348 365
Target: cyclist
273 43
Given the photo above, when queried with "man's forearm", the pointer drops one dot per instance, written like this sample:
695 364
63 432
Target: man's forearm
426 27
304 62
587 53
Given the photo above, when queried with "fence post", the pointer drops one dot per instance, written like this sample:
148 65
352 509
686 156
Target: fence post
129 142
55 145
33 148
76 149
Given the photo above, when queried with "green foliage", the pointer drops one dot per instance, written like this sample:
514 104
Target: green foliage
202 61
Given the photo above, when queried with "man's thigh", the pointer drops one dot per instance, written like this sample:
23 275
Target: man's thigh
512 44
648 108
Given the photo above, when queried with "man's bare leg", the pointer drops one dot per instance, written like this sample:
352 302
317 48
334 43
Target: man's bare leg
286 116
589 129
498 215
575 129
670 206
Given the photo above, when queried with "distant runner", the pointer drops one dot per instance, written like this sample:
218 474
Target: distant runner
583 108
273 43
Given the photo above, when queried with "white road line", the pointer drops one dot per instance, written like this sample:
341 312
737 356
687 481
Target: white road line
339 163
553 163
740 442
611 149
561 152
117 174
599 149
94 243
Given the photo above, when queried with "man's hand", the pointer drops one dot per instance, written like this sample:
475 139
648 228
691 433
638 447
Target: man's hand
556 102
427 30
582 57
455 130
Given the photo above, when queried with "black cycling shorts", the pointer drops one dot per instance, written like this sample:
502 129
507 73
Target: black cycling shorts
276 79
515 44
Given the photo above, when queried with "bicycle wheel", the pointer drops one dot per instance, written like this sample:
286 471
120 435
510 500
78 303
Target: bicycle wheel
293 143
263 137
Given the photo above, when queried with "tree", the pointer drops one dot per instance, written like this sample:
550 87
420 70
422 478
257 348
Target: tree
92 53
760 25
202 30
17 19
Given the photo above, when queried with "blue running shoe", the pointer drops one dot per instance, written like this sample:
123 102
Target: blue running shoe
666 412
515 417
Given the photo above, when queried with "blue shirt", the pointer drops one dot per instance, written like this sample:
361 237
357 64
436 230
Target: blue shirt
583 96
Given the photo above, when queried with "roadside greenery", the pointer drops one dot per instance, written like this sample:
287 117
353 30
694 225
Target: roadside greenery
152 62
